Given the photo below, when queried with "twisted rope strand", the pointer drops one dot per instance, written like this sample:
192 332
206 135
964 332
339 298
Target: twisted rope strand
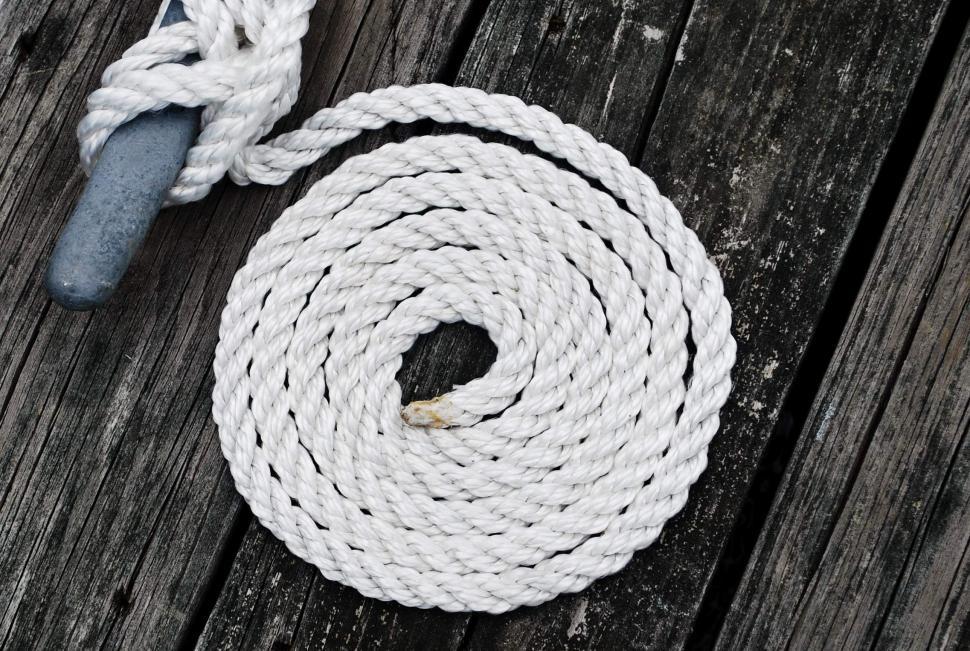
583 437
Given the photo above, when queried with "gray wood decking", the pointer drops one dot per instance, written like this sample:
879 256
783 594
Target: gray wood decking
835 511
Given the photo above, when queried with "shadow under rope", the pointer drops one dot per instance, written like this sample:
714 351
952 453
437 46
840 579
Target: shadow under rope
848 282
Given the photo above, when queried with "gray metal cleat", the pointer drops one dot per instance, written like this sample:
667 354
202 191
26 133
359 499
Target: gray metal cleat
138 165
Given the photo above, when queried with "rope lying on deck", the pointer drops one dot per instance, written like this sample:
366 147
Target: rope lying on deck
575 447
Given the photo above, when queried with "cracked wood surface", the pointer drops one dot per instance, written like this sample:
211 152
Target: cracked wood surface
868 539
766 123
775 191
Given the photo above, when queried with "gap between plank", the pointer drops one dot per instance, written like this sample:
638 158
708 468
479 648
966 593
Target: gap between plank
848 282
670 60
223 566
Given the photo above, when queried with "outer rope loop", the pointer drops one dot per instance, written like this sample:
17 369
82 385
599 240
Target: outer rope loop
535 479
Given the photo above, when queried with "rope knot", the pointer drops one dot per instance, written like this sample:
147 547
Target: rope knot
247 76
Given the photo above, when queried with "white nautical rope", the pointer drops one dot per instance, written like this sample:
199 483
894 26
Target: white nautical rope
546 473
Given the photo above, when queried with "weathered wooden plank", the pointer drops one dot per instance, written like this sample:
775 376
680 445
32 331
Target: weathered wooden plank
867 540
706 100
48 440
597 64
769 135
116 506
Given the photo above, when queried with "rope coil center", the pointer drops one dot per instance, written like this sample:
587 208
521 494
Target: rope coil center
535 479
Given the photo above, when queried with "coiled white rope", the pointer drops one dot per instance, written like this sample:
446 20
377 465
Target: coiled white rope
577 445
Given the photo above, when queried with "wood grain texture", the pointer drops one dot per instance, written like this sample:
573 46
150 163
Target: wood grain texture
117 517
770 133
543 52
116 505
868 538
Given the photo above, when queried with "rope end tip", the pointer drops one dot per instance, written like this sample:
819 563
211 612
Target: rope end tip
438 412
